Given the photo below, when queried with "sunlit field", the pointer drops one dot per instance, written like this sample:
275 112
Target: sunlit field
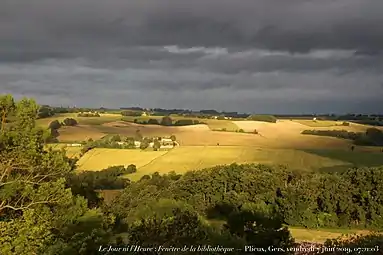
98 159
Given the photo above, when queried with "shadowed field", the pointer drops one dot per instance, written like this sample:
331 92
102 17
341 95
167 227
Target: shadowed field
104 118
355 158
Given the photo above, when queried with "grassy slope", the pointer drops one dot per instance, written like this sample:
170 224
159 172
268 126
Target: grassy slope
353 158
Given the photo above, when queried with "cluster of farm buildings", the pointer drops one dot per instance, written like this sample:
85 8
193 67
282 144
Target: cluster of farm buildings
165 143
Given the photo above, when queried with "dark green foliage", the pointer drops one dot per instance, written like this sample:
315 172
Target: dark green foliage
45 111
350 199
372 137
166 121
138 135
241 131
144 144
70 122
153 122
87 147
260 228
131 169
156 145
55 125
88 183
265 118
131 113
371 122
184 228
52 136
88 114
346 123
115 142
115 138
184 122
334 133
108 178
36 208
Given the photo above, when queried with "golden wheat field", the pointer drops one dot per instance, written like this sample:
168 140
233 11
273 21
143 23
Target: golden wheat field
98 159
183 159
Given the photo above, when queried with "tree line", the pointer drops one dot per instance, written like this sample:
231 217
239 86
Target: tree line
372 136
166 121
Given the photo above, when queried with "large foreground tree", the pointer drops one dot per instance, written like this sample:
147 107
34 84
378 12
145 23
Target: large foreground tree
37 209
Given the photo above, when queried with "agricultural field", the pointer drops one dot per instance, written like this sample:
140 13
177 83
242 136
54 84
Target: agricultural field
80 133
186 158
98 159
104 118
278 143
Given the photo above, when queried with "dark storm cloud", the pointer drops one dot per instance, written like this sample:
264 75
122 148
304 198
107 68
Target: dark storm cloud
239 54
295 25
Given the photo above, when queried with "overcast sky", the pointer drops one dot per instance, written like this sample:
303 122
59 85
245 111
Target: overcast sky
264 56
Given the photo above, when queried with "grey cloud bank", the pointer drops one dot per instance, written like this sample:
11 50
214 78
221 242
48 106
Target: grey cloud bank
295 56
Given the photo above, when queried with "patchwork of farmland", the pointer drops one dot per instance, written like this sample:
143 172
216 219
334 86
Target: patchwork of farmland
278 143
